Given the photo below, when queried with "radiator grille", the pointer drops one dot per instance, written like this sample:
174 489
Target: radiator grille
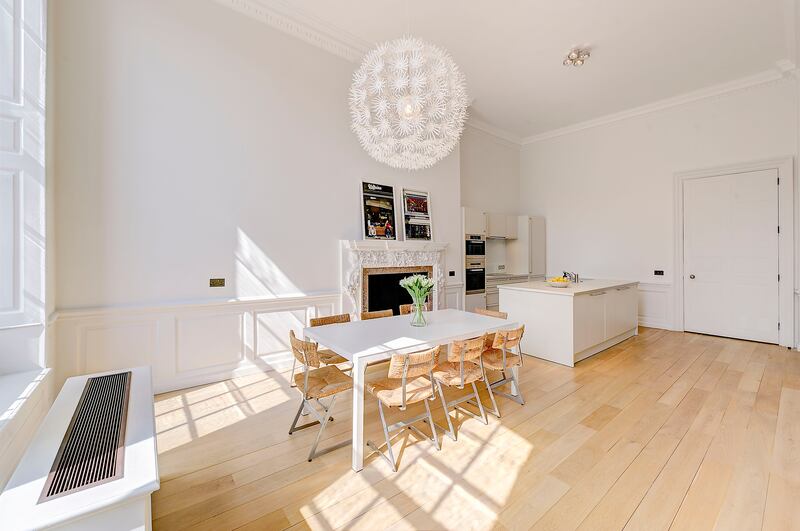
93 448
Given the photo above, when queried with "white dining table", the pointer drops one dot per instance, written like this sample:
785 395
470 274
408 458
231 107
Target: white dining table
374 340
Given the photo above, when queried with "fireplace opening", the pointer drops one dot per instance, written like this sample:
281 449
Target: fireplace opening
382 290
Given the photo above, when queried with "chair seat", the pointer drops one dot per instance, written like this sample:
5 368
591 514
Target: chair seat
390 390
449 373
325 381
493 359
329 357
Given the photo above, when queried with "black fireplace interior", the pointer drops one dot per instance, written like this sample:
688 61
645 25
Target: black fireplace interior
384 292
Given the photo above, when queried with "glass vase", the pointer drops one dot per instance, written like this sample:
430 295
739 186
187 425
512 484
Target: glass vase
417 317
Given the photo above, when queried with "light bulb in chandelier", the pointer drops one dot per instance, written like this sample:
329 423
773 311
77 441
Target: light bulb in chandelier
408 108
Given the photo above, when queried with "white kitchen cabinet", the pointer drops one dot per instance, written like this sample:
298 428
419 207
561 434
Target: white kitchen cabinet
622 307
502 226
497 225
589 320
526 254
474 221
511 227
566 325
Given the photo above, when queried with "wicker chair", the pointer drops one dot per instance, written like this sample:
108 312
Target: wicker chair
316 383
409 380
326 356
500 357
406 309
463 366
491 313
376 315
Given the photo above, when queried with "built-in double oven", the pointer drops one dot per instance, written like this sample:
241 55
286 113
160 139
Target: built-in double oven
475 262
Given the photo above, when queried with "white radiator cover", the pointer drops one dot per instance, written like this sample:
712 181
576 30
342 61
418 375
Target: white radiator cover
120 504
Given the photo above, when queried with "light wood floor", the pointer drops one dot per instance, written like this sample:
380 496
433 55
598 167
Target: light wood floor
666 430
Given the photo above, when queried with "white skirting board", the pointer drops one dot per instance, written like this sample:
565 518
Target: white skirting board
193 344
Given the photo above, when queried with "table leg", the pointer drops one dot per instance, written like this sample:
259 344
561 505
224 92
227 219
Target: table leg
359 367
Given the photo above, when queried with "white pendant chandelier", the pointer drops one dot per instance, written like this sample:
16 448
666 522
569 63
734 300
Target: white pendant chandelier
408 102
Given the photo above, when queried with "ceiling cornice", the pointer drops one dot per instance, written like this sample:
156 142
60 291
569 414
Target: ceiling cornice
292 21
783 69
303 26
489 129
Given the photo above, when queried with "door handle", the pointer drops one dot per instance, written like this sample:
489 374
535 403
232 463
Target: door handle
691 277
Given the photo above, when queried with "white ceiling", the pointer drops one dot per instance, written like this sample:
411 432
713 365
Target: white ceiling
511 50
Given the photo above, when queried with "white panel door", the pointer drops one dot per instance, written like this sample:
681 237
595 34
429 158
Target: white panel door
731 255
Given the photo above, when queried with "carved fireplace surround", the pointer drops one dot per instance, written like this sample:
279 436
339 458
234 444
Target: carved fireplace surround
357 255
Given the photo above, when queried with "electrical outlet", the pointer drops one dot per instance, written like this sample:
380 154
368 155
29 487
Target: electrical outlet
452 273
216 282
501 267
659 272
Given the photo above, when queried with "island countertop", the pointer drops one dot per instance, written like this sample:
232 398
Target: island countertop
584 286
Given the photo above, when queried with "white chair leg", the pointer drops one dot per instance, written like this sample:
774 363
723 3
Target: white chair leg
480 404
433 428
325 418
450 432
374 447
496 410
296 417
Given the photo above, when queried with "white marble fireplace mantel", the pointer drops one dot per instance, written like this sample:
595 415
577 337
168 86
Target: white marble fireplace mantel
358 254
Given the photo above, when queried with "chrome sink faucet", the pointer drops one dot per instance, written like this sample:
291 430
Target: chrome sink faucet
572 277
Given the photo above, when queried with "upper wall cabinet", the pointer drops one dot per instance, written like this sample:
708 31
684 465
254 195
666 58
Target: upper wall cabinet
502 226
474 221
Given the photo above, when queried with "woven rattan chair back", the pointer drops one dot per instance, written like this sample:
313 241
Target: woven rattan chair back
406 309
491 313
376 315
466 350
329 319
304 351
414 364
508 338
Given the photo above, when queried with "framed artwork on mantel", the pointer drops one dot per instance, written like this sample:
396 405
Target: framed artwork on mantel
377 211
417 215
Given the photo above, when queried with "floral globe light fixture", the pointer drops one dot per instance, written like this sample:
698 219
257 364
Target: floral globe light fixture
408 102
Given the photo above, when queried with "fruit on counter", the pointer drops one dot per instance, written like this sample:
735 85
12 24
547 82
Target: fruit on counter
558 279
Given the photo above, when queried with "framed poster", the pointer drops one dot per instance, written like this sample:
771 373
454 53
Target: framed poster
377 211
417 215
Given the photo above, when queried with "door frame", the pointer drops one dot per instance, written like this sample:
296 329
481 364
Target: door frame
786 242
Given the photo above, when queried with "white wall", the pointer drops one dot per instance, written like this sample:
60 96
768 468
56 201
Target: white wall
490 172
607 191
194 142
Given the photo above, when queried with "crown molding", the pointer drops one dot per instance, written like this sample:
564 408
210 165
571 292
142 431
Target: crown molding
506 137
784 69
303 26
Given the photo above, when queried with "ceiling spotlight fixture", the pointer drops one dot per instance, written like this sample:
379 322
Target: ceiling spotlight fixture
576 57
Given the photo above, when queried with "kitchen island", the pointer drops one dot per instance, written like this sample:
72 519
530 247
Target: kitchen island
566 325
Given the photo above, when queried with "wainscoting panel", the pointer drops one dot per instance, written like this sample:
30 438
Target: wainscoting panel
454 296
207 341
192 344
118 346
185 345
655 305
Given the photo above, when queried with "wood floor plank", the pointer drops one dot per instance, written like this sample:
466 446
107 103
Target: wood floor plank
664 429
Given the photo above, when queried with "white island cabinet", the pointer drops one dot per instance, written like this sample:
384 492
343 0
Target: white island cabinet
566 325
